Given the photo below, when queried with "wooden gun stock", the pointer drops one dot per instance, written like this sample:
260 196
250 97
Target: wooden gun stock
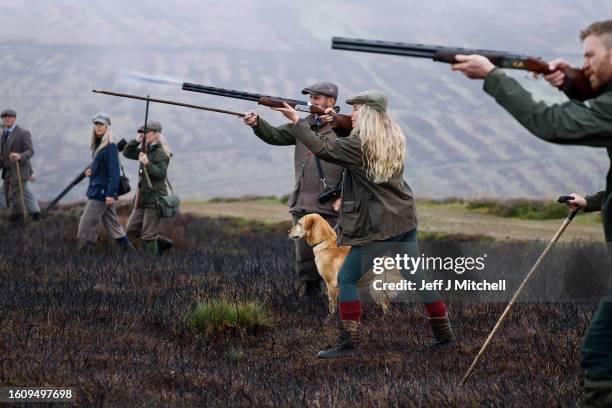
339 121
342 122
575 85
276 102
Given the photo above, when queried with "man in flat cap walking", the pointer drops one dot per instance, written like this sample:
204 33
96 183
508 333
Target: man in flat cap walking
313 176
15 152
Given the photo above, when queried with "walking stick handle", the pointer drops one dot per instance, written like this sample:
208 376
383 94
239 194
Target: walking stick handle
565 199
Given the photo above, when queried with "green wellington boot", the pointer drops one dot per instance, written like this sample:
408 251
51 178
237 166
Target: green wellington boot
150 247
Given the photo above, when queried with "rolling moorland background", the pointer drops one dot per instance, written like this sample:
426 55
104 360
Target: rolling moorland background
460 143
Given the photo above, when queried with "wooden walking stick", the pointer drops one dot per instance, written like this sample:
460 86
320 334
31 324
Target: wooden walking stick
25 211
552 242
167 102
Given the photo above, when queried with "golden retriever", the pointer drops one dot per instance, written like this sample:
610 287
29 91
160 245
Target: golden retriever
329 258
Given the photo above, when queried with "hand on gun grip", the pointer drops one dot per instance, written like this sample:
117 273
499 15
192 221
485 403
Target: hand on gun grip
329 115
558 76
142 158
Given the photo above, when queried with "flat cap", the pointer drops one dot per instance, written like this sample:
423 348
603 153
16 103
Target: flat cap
8 112
322 88
374 99
101 118
151 125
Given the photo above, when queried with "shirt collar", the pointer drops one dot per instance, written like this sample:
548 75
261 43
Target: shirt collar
11 128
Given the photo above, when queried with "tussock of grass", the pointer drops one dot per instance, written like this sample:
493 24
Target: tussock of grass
217 316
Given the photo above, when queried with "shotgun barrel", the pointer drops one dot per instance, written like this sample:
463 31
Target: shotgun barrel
247 96
434 52
65 191
120 145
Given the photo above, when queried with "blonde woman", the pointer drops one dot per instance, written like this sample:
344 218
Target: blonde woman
377 208
144 220
103 188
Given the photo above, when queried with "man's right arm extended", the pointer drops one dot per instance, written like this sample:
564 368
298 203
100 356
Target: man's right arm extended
581 123
278 136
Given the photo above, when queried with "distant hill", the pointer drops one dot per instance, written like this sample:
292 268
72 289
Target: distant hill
459 142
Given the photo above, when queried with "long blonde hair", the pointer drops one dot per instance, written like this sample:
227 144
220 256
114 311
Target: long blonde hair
107 138
382 143
161 139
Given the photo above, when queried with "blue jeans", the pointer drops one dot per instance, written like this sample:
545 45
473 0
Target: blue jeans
361 258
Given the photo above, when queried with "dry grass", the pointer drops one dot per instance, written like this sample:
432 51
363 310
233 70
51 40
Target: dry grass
115 330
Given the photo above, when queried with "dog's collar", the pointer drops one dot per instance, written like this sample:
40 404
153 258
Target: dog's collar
319 243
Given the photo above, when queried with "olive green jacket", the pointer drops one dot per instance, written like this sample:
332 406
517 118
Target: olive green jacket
157 168
594 201
587 123
308 185
369 212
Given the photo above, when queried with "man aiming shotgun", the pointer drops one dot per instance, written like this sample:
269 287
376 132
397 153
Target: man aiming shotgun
314 178
576 123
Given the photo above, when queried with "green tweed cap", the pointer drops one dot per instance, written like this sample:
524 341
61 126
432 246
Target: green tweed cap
374 99
8 112
151 125
322 88
101 118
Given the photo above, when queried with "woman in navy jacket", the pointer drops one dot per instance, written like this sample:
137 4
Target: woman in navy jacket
103 174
